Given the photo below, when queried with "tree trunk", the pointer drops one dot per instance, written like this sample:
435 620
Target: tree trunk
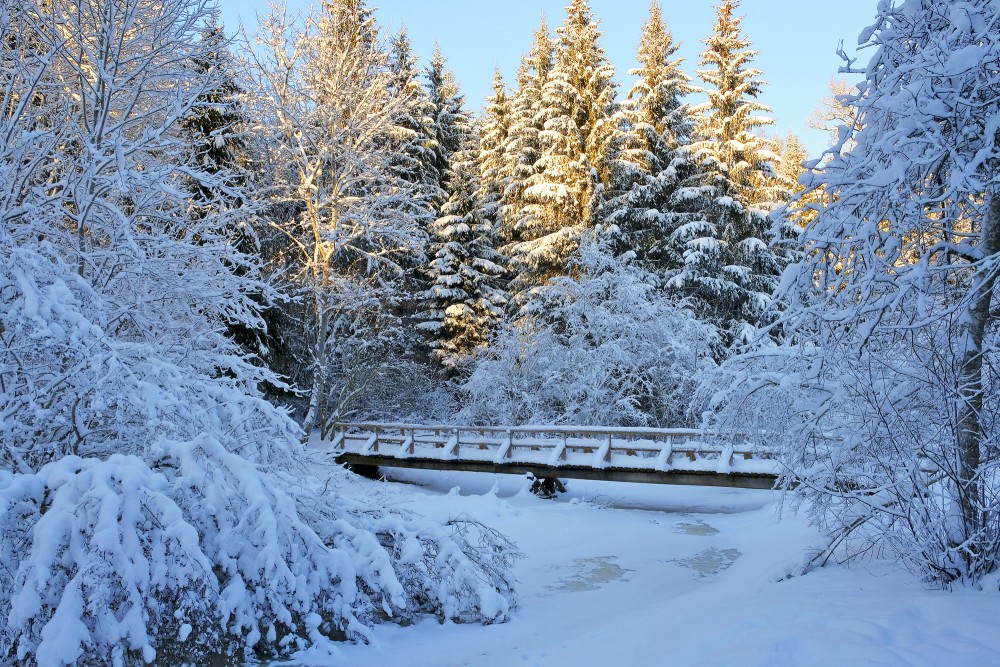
973 329
316 417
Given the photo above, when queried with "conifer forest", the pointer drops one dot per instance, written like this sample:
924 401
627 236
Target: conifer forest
213 251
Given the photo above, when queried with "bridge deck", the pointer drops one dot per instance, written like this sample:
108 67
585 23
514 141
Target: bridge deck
661 456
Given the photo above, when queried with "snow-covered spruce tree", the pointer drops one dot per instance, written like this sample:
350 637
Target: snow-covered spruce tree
889 379
414 137
494 130
606 347
451 121
577 154
791 167
653 161
333 102
421 161
137 524
729 270
523 146
217 123
466 298
216 131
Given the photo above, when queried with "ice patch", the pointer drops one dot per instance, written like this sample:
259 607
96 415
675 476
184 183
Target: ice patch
591 574
701 529
710 561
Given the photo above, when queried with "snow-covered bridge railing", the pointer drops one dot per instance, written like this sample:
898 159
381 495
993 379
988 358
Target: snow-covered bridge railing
664 456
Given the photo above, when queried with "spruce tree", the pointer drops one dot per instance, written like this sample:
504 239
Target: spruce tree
791 166
217 123
414 137
495 127
729 271
451 122
654 160
465 298
523 147
463 294
564 194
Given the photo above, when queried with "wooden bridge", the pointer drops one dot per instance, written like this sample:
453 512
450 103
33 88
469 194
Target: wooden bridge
661 456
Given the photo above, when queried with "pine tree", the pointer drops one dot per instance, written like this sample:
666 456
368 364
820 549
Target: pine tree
577 155
729 271
654 161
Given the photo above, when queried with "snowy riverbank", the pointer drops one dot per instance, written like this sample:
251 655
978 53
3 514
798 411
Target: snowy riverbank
618 574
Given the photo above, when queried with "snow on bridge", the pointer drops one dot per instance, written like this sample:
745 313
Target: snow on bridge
663 456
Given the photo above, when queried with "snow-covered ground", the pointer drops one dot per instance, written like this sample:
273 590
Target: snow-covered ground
628 574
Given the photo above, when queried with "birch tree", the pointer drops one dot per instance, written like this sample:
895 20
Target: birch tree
332 101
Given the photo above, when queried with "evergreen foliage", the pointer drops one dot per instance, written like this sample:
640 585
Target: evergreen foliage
729 271
654 161
465 298
451 122
577 152
523 146
495 171
414 132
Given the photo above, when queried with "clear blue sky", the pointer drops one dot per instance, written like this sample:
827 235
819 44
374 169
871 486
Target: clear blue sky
796 40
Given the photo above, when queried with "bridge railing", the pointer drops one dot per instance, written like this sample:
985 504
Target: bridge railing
558 446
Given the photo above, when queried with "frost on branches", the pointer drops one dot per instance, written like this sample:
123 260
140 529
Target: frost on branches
888 381
606 348
339 118
200 554
137 522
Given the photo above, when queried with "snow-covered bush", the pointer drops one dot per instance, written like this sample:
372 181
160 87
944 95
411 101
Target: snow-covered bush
115 562
606 348
67 387
148 512
100 567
